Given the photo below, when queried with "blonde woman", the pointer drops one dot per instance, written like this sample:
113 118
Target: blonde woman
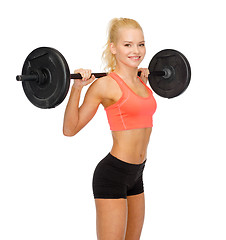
129 105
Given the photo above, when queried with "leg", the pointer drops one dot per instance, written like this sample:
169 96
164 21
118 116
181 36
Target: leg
136 209
111 218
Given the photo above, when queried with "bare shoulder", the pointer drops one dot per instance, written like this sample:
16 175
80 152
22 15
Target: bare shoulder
103 82
103 86
106 91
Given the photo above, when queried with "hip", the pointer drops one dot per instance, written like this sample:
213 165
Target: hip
111 166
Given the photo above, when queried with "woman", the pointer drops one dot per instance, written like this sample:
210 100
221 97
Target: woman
130 105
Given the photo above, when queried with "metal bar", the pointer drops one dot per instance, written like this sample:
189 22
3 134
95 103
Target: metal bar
27 78
158 73
98 75
78 75
35 77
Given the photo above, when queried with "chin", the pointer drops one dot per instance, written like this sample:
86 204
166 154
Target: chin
133 65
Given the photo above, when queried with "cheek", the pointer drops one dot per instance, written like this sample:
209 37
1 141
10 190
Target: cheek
144 51
122 53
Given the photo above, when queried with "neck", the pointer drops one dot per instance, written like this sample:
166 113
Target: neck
127 73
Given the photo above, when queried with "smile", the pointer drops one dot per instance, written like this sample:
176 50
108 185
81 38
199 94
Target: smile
135 57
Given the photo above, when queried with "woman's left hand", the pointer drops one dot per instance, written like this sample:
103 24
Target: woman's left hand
144 74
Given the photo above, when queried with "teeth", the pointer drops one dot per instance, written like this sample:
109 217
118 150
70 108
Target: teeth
135 57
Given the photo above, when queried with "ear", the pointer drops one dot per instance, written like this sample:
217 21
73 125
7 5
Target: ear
113 48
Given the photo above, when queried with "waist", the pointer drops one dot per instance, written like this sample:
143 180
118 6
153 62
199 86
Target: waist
123 164
131 145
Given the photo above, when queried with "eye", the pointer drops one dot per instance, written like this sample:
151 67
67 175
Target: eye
142 45
127 45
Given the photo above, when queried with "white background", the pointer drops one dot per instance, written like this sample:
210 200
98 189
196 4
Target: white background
45 178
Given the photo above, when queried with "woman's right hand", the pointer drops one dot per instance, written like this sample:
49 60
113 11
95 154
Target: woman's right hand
86 77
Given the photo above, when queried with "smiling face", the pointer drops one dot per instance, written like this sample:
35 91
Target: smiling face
129 50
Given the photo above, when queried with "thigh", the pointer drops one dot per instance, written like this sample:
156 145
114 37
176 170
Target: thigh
111 218
136 211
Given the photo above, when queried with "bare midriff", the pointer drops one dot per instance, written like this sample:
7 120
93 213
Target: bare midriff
131 145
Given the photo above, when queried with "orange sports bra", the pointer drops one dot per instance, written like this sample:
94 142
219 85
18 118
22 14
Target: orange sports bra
130 111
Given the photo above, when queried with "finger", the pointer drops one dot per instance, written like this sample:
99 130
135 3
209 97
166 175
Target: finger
146 72
78 70
90 72
143 73
84 75
89 80
87 74
142 70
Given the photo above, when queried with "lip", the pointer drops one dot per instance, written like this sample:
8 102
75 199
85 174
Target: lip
135 58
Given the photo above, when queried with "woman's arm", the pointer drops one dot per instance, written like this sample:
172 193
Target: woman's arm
76 118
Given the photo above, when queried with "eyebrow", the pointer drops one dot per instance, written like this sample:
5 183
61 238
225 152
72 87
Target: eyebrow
132 42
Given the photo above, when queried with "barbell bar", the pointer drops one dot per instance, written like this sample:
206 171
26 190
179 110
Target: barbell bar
166 73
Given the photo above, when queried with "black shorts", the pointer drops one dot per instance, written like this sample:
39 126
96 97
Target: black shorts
115 179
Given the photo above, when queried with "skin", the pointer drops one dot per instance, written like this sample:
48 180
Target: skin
116 218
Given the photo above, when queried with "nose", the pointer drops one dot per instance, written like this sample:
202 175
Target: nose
135 49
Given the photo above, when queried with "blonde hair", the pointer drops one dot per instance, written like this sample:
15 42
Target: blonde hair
114 25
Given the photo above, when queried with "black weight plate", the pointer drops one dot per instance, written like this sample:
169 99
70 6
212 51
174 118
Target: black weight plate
180 77
50 63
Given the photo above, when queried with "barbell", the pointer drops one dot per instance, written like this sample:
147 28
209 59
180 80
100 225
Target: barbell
46 76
